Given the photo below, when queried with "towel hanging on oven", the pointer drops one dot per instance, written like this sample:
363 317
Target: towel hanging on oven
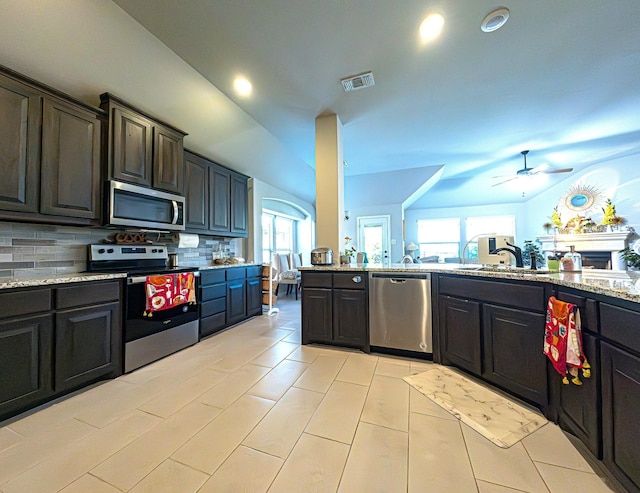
168 291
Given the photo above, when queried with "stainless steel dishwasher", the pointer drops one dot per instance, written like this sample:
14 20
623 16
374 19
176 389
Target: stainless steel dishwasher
400 311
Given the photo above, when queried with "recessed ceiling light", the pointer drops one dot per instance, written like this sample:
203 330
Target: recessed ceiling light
431 27
495 20
242 86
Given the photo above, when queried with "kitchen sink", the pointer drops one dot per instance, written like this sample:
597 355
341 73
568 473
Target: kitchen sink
503 268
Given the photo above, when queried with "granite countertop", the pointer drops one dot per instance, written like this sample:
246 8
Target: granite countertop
615 283
25 282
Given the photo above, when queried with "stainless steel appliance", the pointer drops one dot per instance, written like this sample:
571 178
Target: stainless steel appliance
146 338
400 311
140 207
322 256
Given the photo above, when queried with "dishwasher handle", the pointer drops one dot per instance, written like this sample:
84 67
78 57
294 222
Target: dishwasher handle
397 281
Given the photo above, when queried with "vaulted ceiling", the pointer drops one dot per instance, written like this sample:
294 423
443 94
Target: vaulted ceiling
559 78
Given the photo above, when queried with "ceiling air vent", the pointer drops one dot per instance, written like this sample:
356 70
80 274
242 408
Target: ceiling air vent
359 81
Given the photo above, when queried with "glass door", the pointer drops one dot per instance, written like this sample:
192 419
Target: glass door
373 237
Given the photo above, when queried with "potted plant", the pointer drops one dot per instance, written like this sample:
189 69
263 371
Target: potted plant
630 257
529 248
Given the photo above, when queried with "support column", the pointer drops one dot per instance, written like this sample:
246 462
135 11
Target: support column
329 185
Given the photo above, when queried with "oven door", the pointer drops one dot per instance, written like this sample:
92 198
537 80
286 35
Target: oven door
134 206
137 326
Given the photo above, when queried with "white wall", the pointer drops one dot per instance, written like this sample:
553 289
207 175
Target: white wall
257 192
618 180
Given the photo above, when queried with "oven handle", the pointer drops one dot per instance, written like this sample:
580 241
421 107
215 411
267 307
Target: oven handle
175 212
142 279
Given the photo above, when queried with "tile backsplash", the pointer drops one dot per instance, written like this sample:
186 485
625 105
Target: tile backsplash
36 250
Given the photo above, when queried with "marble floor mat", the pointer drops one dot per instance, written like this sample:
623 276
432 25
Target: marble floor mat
495 417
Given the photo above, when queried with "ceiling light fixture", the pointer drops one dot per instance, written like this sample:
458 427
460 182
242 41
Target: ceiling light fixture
431 27
495 20
242 86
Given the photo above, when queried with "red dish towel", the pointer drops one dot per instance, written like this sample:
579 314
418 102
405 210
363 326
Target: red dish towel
167 291
563 340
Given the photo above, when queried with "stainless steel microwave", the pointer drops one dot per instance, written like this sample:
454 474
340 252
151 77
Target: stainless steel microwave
140 207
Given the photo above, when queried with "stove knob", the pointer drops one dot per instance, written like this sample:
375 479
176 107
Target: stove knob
100 250
154 250
110 250
160 250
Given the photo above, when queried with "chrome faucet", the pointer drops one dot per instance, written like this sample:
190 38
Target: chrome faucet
516 252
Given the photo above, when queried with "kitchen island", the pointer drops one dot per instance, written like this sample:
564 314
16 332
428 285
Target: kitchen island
490 323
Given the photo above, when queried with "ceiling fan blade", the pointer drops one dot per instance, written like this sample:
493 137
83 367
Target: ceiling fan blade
505 181
552 171
538 169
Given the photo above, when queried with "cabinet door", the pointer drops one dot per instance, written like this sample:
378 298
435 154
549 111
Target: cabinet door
70 161
236 301
88 345
25 363
254 296
513 355
350 322
460 333
239 205
578 405
316 315
620 404
220 188
168 164
131 152
196 175
20 144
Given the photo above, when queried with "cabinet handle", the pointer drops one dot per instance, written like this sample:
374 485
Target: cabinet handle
357 279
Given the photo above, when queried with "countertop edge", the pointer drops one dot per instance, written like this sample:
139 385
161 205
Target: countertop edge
623 285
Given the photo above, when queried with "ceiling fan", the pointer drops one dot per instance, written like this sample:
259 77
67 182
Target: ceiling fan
524 172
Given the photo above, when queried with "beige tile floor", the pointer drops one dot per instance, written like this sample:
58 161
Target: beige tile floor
251 410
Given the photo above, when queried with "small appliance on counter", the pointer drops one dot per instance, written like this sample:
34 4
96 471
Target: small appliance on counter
489 244
322 256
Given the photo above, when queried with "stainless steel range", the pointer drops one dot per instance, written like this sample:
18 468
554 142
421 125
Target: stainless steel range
146 338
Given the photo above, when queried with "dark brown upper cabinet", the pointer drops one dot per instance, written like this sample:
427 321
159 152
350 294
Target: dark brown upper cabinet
70 161
217 198
51 154
141 149
21 110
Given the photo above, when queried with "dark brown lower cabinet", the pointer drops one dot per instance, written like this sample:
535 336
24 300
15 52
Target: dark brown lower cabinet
236 300
578 406
316 315
462 339
335 309
25 363
86 345
349 316
620 411
254 296
510 358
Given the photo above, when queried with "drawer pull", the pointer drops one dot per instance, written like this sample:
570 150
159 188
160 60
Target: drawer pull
357 279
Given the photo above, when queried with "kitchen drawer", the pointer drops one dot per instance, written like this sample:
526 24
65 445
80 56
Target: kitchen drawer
587 306
212 292
212 324
350 280
316 279
87 294
254 271
212 277
236 273
25 302
528 296
211 307
620 325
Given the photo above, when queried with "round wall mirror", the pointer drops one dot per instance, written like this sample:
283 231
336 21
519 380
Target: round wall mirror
581 199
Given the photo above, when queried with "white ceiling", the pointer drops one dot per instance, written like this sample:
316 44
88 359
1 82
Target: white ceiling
560 78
